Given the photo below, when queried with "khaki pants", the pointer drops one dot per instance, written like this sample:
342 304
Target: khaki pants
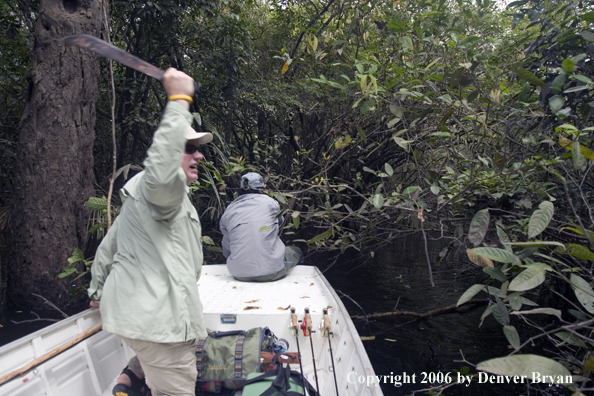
169 368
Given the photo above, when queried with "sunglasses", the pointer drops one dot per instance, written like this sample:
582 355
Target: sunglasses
191 149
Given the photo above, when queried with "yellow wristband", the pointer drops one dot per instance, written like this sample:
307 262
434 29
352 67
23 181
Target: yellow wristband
184 97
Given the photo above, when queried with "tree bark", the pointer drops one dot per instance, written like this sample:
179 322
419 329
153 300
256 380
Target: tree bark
54 170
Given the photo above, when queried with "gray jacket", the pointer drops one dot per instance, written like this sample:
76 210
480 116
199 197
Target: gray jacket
250 236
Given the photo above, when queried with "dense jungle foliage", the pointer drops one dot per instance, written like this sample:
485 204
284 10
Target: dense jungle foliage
372 120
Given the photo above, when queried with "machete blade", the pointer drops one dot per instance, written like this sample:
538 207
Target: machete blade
112 52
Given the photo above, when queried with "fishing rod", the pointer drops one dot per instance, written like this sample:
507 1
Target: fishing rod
327 333
306 326
295 326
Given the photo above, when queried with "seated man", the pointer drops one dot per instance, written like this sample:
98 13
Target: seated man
251 244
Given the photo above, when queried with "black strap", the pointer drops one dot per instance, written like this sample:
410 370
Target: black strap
217 334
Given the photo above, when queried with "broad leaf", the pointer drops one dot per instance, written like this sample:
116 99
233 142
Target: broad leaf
469 41
495 273
77 255
583 292
479 260
571 338
500 312
96 203
580 251
525 365
544 311
478 227
469 293
378 201
538 244
529 278
512 336
503 239
540 218
496 254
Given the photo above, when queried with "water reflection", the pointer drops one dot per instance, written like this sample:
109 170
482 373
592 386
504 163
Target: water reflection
398 277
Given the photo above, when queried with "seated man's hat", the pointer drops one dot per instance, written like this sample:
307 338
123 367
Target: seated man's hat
252 180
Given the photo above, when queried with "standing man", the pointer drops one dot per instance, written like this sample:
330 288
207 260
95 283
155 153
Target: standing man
250 227
146 268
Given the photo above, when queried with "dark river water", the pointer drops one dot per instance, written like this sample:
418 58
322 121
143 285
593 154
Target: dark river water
398 277
415 350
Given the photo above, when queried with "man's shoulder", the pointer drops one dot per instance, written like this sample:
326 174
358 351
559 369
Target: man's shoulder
131 188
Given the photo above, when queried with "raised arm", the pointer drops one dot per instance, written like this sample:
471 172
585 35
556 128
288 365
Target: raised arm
164 180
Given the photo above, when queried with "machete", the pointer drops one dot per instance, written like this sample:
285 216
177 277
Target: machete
112 52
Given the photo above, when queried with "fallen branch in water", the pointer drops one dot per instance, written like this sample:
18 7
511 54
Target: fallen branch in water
34 320
398 312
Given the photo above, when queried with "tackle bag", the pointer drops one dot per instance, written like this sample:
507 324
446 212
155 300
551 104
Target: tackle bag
280 381
225 358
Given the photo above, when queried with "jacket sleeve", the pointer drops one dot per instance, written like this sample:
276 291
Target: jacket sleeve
103 261
164 181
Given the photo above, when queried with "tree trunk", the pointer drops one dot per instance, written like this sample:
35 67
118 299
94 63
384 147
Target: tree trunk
54 169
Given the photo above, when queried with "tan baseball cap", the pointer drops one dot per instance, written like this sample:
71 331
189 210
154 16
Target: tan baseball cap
198 137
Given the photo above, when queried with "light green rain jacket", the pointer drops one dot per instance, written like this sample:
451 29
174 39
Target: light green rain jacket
146 268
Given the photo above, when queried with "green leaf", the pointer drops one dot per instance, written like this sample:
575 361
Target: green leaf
496 254
582 78
587 35
367 106
525 365
583 292
495 273
500 312
96 203
389 169
406 42
529 278
67 271
264 229
282 198
469 41
538 244
556 103
322 237
77 255
469 293
409 190
512 336
396 110
540 219
402 143
576 89
580 251
504 239
207 240
545 311
378 201
530 77
393 122
571 338
478 227
446 98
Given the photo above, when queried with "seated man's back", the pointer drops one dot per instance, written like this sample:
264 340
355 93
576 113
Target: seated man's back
251 242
